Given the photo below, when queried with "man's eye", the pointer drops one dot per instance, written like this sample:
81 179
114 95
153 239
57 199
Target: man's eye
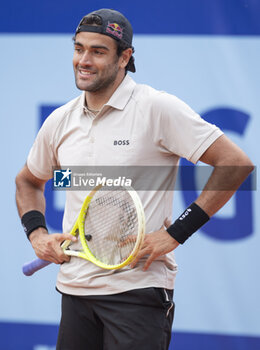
77 49
97 52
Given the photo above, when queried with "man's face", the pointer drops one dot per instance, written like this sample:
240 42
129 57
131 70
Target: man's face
95 61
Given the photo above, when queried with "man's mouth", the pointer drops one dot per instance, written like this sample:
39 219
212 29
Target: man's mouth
86 72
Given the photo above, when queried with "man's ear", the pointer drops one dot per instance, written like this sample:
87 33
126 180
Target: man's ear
125 57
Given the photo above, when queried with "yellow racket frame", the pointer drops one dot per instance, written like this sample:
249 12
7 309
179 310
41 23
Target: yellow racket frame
78 228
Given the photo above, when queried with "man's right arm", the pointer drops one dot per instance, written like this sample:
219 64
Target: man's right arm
30 196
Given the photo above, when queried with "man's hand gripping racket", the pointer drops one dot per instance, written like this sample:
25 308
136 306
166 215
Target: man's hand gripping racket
111 228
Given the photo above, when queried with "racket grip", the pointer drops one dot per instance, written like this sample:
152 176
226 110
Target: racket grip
34 265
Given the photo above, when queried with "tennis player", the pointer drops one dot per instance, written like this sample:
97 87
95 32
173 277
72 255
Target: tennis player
118 122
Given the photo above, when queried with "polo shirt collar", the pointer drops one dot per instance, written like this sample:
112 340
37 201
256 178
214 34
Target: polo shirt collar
122 94
82 102
119 98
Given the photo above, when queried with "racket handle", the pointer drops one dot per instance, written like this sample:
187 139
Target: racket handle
34 265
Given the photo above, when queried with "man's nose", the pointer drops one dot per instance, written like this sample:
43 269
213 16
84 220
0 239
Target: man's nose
86 58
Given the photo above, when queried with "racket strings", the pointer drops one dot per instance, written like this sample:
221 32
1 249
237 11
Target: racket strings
112 222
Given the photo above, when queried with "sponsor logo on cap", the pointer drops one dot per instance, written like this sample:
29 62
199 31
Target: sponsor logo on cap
115 29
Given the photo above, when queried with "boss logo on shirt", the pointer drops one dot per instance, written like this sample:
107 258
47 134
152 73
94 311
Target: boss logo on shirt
121 142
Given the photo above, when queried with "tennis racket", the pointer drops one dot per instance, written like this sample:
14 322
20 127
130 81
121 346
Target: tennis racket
111 228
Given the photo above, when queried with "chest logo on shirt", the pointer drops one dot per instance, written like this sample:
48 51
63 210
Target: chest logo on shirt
121 142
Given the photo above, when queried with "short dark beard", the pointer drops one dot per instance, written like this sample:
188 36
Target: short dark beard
100 84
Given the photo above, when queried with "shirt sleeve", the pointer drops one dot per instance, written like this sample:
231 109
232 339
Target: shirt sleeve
42 157
182 131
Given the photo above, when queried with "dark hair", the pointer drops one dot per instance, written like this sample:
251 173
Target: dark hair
95 20
121 46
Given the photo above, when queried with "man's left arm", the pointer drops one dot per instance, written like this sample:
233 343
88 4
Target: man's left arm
231 168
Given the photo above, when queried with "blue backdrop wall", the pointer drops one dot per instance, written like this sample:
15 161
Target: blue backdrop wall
206 52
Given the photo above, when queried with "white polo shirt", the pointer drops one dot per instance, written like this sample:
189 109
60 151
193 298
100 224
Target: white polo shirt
158 129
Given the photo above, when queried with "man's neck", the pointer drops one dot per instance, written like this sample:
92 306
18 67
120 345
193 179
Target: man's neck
96 100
